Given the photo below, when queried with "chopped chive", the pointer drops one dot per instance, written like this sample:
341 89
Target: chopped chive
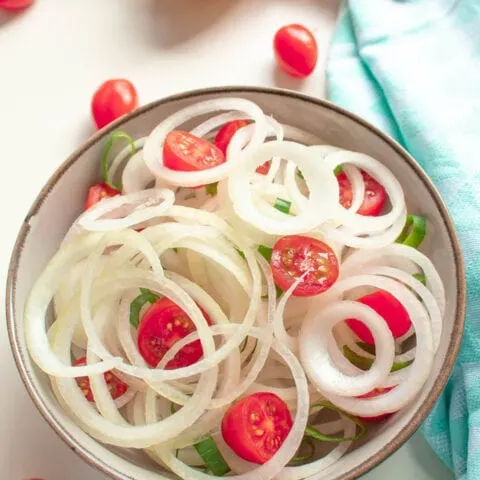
300 459
413 232
265 252
108 146
283 205
146 296
214 461
317 435
420 277
365 363
338 169
240 253
212 189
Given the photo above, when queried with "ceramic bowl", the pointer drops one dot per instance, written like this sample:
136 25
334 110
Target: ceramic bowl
62 199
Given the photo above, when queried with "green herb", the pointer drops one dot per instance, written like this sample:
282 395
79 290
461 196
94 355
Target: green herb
265 252
317 435
420 277
300 459
146 296
283 205
214 461
413 232
212 189
108 146
338 169
365 363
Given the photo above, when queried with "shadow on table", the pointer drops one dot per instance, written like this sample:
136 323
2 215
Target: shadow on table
178 21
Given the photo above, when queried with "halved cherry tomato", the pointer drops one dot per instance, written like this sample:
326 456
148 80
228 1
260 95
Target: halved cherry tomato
116 387
294 255
296 50
373 200
186 152
225 134
376 392
99 191
388 307
163 325
112 100
256 426
15 4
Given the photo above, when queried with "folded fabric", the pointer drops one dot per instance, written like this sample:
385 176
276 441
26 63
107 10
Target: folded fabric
412 68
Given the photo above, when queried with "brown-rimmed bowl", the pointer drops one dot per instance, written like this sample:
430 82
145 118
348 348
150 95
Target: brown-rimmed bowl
62 200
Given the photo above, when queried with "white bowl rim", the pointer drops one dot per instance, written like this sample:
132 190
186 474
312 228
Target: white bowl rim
19 351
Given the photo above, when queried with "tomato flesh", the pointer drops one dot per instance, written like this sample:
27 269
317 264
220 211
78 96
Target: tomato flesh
116 387
373 200
112 100
186 152
388 307
98 192
15 4
296 50
163 325
256 426
376 392
294 255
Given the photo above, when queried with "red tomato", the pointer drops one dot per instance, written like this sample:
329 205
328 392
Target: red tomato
15 4
375 393
115 385
388 307
225 134
163 325
99 191
373 200
296 50
256 426
294 255
113 99
186 152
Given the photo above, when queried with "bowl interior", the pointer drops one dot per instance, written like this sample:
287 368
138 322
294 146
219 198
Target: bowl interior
62 200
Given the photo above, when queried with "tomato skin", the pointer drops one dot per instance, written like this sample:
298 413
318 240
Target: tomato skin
376 392
113 99
185 152
163 325
15 4
373 200
115 385
98 192
296 50
256 426
293 255
388 307
225 134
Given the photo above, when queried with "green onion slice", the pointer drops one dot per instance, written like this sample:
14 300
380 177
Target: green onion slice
146 296
317 435
108 146
212 189
283 205
365 363
212 457
265 252
338 169
300 459
420 277
413 232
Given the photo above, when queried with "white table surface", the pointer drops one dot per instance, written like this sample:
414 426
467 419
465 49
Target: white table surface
52 57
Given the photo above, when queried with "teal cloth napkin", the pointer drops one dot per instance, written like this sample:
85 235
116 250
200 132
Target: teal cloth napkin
412 67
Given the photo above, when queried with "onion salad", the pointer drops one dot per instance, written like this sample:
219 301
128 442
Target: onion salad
238 298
